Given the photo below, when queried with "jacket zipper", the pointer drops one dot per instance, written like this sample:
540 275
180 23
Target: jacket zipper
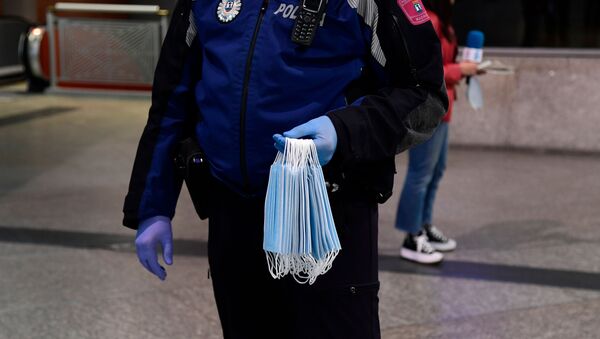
243 165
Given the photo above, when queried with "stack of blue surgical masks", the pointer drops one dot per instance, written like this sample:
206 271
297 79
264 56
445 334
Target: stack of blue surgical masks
300 238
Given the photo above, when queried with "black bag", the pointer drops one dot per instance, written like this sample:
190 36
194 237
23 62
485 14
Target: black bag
192 166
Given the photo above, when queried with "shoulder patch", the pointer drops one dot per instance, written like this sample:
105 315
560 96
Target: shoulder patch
415 11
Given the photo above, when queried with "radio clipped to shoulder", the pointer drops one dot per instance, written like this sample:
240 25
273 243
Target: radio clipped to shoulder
310 16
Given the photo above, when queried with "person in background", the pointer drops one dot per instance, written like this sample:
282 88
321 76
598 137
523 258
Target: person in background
427 161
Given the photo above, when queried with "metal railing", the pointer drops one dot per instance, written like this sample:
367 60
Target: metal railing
101 53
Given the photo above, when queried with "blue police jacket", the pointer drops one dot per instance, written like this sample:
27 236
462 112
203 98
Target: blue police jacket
374 67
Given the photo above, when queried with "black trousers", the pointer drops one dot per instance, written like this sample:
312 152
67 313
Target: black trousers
342 304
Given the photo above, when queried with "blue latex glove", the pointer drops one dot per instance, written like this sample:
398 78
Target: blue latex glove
320 130
150 233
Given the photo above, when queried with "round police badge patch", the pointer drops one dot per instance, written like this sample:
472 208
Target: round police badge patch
227 10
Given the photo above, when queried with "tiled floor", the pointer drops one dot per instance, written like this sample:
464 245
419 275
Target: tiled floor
528 227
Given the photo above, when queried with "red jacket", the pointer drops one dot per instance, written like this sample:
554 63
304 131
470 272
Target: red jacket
452 73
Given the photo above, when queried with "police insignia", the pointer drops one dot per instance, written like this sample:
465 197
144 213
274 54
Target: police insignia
414 10
227 10
418 6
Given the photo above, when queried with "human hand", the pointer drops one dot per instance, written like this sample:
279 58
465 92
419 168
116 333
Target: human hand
150 233
320 130
468 68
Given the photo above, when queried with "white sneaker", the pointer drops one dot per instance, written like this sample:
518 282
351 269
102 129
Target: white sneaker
418 249
438 240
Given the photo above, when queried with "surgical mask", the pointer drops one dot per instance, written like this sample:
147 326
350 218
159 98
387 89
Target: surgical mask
300 237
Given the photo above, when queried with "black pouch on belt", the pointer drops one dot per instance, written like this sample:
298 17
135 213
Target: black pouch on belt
191 164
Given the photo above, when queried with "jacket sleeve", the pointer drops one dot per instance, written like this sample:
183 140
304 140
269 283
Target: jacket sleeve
452 72
154 186
407 110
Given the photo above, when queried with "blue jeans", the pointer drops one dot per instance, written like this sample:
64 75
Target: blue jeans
426 165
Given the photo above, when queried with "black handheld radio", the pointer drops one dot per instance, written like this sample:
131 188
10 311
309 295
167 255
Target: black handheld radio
308 20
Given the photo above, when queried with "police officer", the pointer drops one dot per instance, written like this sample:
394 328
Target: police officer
363 78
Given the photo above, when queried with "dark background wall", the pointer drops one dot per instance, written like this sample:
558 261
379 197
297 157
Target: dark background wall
507 23
531 23
22 8
34 10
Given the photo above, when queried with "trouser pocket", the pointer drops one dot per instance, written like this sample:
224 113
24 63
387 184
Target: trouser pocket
343 312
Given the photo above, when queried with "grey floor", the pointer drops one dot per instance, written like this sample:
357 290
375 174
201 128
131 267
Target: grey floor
528 227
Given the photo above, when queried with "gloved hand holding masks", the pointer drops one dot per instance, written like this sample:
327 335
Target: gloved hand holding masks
320 130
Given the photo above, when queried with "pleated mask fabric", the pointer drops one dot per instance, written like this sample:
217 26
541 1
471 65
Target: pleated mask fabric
300 237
